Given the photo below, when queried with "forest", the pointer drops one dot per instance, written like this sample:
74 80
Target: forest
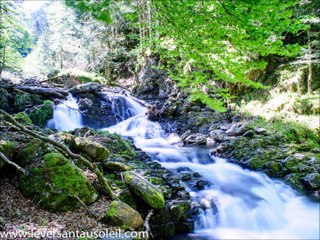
160 119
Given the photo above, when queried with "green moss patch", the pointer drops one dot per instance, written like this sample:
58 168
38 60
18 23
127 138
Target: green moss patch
56 184
41 113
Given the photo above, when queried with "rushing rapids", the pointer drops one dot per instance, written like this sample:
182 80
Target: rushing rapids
238 204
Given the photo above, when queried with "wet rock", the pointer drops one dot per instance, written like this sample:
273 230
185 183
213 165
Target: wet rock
148 192
186 176
180 210
201 184
197 139
312 181
186 134
90 87
217 135
153 113
121 214
56 184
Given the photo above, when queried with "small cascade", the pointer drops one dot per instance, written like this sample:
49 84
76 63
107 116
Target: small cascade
124 106
236 204
66 115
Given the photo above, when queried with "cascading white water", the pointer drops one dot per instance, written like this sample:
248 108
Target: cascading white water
123 106
249 204
66 115
239 204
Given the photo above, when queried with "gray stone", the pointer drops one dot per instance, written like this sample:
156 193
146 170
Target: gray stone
86 87
197 138
236 129
217 135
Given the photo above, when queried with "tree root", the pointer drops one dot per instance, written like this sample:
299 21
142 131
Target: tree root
5 159
64 149
146 223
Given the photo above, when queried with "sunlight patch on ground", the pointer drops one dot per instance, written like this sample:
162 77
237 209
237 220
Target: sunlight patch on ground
280 106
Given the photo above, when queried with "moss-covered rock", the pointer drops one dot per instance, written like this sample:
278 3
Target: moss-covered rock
65 138
121 214
22 101
94 150
56 184
116 166
41 113
7 148
117 145
31 151
145 190
23 118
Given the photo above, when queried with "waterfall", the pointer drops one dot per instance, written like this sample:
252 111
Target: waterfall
237 204
124 106
66 115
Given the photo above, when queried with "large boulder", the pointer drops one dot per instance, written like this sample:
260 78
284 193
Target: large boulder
121 214
145 190
56 184
89 87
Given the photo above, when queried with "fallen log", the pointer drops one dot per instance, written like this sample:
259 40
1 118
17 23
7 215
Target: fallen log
46 92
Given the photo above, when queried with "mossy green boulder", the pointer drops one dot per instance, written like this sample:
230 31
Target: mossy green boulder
117 145
22 118
121 214
41 113
57 185
145 190
94 150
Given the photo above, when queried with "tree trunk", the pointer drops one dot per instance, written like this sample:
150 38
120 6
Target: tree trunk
310 77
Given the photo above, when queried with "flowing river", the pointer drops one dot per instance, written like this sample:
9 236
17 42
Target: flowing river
239 204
